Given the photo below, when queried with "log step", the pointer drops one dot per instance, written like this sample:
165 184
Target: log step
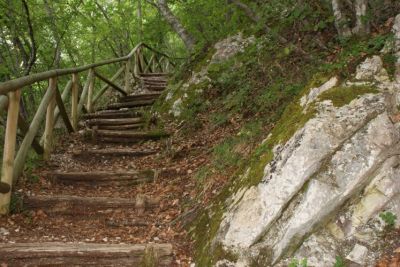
140 97
119 121
121 127
112 114
154 74
73 205
103 177
123 136
154 81
112 152
132 104
84 254
154 87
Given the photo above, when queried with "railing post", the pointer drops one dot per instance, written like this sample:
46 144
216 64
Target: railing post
74 101
9 149
48 131
90 93
136 66
127 75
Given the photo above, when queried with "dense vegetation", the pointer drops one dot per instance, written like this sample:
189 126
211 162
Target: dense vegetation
298 45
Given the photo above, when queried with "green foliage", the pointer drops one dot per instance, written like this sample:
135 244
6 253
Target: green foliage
389 218
352 51
219 119
224 155
33 161
16 203
298 263
389 63
202 174
339 262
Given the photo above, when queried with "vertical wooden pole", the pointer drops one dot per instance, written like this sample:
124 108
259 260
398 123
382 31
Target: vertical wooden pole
153 67
74 101
9 149
127 75
89 105
48 131
136 66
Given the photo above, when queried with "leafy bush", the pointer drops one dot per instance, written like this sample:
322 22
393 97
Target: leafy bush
389 218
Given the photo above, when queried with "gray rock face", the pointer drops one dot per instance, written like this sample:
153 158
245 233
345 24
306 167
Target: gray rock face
322 194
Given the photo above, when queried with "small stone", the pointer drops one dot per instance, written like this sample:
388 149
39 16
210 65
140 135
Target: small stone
358 255
105 239
156 239
189 172
4 231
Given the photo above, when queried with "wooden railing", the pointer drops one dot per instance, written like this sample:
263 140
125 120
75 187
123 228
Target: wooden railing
142 59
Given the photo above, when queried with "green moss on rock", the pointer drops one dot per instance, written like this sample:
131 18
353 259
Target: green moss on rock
341 96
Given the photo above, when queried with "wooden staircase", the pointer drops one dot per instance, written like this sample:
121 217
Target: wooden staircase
120 122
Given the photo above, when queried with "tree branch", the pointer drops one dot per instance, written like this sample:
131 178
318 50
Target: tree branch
32 57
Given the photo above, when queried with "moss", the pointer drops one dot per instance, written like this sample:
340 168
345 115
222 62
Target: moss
341 96
389 63
220 253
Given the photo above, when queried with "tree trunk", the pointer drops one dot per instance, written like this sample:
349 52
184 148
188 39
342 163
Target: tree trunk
340 20
362 24
166 12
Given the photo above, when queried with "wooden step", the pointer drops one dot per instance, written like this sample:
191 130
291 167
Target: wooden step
73 205
154 81
154 74
132 104
85 254
154 88
123 136
86 154
104 177
132 126
119 121
112 114
139 97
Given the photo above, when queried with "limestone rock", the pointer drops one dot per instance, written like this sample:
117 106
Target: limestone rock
358 255
324 189
230 47
370 68
315 92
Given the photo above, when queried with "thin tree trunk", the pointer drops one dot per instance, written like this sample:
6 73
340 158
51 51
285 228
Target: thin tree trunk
362 24
166 12
140 19
340 20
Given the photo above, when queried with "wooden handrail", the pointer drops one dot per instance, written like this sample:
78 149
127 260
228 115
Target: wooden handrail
52 105
13 85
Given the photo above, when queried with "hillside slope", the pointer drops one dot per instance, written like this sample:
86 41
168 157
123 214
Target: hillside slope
309 152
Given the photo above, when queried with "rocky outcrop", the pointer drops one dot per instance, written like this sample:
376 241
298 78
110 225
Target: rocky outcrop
323 192
223 50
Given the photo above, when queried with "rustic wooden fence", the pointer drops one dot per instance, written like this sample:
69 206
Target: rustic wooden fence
142 59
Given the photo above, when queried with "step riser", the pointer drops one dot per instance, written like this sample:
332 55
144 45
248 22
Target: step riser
132 104
103 178
71 205
120 127
59 254
114 122
89 154
131 99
